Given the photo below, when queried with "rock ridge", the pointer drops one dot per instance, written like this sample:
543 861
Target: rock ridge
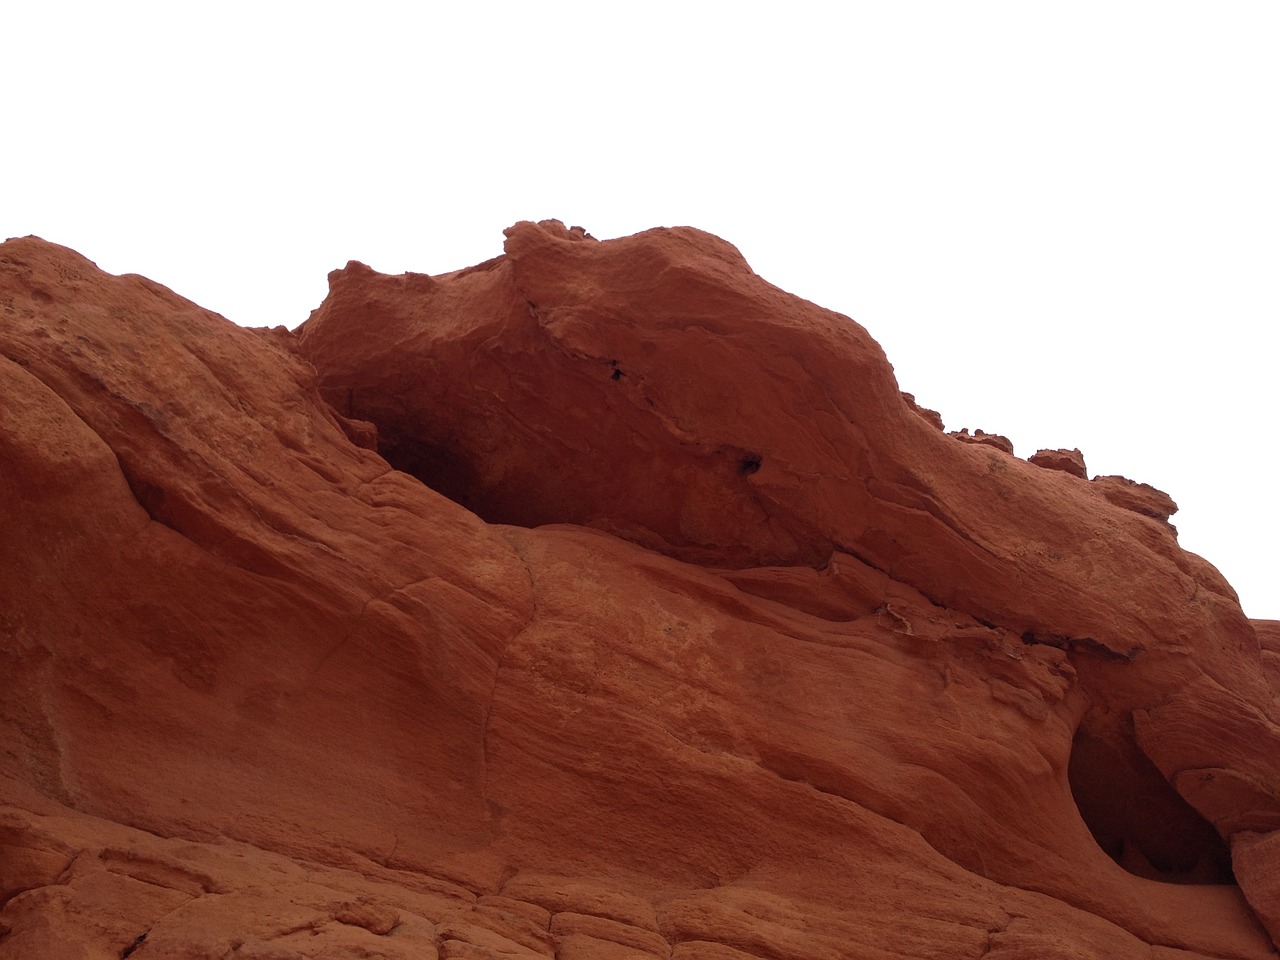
600 600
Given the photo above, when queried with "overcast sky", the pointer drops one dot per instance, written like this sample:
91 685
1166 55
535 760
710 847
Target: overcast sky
1060 219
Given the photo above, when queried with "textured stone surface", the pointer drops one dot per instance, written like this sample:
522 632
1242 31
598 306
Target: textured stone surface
688 636
1068 461
930 416
1139 497
984 438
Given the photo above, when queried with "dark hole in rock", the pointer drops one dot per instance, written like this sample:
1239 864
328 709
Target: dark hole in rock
616 375
445 471
1137 817
749 464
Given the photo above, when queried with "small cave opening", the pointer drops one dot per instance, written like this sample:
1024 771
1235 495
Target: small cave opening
1137 817
443 470
447 467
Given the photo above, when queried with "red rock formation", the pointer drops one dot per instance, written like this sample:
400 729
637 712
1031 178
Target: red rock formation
719 648
1068 461
931 416
984 438
1139 497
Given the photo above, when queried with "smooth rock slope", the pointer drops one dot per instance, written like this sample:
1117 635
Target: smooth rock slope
601 600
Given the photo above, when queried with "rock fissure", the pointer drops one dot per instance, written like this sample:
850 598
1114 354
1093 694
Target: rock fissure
497 670
339 644
1085 645
137 942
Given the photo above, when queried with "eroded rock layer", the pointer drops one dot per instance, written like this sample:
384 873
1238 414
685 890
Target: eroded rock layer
601 600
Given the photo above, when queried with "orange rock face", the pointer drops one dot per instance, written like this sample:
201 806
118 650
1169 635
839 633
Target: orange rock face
601 600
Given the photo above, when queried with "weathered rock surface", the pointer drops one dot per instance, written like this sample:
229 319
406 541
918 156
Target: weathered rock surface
1139 497
984 438
681 634
1068 461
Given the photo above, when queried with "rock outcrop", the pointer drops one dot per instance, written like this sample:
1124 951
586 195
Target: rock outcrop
601 600
1068 461
1139 497
984 438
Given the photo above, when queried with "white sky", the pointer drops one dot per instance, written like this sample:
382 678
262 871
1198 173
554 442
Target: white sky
1060 219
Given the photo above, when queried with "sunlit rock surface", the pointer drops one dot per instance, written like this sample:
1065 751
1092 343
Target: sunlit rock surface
601 600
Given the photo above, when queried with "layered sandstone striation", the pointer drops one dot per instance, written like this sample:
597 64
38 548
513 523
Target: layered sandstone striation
601 600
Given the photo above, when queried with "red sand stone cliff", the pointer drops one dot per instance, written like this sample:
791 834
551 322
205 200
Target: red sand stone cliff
667 627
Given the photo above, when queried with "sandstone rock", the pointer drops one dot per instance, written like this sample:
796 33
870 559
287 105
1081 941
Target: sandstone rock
930 416
377 918
719 649
1141 498
984 438
1068 461
1257 859
1268 633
